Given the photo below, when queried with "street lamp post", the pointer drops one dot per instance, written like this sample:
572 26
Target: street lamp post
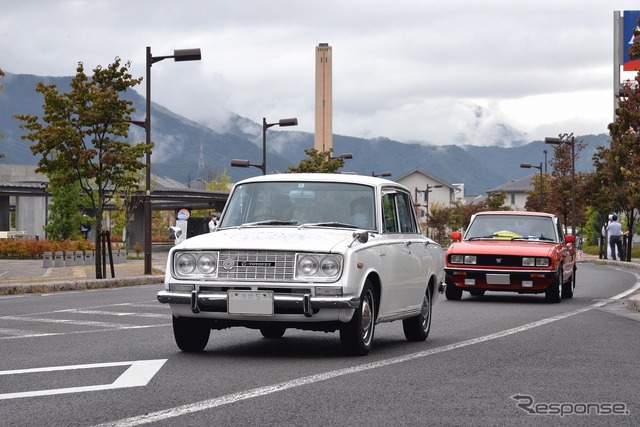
245 163
426 199
529 166
569 139
178 56
343 156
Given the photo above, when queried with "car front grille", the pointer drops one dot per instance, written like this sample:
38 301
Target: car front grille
256 265
499 260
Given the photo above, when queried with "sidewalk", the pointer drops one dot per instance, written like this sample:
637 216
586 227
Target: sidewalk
634 299
28 276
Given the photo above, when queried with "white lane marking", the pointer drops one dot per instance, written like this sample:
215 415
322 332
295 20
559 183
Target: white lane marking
263 391
14 332
93 331
66 322
118 313
138 374
153 303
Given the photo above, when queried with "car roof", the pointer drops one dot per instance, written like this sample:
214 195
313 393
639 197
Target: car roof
324 177
525 213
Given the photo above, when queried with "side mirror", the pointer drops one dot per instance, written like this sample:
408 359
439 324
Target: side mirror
362 237
456 235
175 232
570 239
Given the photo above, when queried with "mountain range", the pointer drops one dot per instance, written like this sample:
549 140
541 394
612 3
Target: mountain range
186 150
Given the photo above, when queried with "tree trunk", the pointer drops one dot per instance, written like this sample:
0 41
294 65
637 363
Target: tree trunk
98 258
630 221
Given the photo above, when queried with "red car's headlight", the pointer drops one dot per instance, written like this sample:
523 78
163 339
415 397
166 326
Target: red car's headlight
463 259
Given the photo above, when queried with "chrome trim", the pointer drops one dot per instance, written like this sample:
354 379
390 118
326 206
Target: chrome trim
449 270
307 302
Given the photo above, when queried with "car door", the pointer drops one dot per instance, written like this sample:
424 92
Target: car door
403 278
568 252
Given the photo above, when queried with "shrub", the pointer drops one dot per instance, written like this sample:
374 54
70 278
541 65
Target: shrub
31 248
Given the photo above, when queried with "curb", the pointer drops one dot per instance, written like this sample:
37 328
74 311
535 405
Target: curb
73 285
634 299
634 302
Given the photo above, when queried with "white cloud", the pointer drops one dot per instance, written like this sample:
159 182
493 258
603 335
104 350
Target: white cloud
407 70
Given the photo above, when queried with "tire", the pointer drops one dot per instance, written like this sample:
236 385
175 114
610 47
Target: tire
273 331
356 336
553 293
477 292
191 334
417 328
452 292
568 287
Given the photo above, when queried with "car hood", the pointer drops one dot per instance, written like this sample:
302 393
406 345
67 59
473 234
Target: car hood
316 239
504 247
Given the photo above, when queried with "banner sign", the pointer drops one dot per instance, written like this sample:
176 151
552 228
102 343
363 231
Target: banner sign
630 23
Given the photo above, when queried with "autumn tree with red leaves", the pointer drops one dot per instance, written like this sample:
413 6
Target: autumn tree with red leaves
618 166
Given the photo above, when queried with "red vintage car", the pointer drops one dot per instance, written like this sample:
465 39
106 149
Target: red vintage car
509 251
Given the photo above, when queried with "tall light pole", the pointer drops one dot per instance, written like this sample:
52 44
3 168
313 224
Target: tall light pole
529 166
426 200
568 139
245 163
178 56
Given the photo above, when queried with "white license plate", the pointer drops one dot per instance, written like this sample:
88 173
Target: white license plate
498 279
250 302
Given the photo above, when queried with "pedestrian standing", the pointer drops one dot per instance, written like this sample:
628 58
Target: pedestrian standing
615 237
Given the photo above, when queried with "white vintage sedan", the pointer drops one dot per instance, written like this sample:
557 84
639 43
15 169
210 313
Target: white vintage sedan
319 252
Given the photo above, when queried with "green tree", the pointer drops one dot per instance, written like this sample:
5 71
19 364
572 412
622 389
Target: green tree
438 219
125 202
318 162
64 216
85 131
221 181
558 199
534 202
495 201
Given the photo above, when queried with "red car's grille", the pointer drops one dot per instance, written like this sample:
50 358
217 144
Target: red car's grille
499 261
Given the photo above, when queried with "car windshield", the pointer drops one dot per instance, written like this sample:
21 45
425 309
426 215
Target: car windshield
301 203
529 227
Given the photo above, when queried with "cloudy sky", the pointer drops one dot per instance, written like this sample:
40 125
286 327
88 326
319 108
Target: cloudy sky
443 72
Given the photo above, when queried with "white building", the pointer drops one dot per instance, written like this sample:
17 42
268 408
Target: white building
516 191
429 190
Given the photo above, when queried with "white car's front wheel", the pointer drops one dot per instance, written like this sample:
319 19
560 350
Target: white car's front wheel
191 334
356 336
273 331
417 328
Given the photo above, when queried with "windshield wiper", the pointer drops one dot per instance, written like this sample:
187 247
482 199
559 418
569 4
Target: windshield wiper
269 222
329 224
490 236
550 239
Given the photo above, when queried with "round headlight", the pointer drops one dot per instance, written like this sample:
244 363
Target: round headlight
207 264
330 266
308 266
185 264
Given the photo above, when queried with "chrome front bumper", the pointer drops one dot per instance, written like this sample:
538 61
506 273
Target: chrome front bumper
215 301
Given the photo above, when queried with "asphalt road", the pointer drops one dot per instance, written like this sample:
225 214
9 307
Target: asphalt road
108 357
